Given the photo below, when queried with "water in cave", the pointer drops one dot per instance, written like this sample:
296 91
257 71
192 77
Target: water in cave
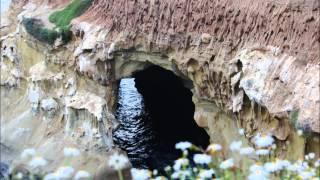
155 111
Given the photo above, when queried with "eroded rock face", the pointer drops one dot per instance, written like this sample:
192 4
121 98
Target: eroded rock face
47 105
278 83
253 65
212 44
249 66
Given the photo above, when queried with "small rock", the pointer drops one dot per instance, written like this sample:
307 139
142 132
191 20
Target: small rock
49 104
205 38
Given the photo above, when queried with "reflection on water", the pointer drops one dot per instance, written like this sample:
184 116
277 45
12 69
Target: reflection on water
153 121
134 134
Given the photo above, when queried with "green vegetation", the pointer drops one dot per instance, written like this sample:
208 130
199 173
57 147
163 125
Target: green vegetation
63 18
62 21
36 29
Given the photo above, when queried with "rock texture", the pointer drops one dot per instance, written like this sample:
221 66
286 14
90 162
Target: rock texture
222 31
47 105
254 64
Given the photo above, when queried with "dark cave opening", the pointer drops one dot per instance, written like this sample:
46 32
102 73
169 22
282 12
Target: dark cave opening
156 118
170 106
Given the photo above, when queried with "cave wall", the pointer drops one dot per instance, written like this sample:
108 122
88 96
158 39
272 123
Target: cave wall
253 65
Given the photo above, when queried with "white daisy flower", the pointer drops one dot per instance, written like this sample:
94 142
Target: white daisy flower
181 175
140 174
71 152
299 132
155 172
195 169
306 157
185 173
255 167
202 159
160 178
175 175
118 161
305 165
241 131
37 162
262 152
235 145
51 176
227 164
257 172
317 163
64 172
246 151
183 145
28 153
179 163
277 165
19 175
212 148
263 141
310 156
307 174
185 153
295 167
258 175
167 168
206 174
272 167
284 163
82 175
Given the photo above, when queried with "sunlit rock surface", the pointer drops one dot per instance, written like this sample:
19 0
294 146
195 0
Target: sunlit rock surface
253 65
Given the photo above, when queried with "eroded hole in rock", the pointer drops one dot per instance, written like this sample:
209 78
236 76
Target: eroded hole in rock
155 111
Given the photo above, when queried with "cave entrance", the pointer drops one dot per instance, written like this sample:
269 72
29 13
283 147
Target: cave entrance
155 111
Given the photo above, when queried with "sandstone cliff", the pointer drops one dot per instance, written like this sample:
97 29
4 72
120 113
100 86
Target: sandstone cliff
253 65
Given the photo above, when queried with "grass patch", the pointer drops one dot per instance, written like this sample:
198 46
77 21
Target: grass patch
62 21
63 18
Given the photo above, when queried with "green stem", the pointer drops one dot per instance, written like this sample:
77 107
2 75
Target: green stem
120 175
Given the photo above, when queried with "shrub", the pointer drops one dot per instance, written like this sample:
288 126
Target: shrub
66 34
36 29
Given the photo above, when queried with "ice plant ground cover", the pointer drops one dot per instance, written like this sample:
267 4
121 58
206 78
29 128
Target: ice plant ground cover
255 163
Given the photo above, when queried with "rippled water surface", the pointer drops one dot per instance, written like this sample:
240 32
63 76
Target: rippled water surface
134 134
